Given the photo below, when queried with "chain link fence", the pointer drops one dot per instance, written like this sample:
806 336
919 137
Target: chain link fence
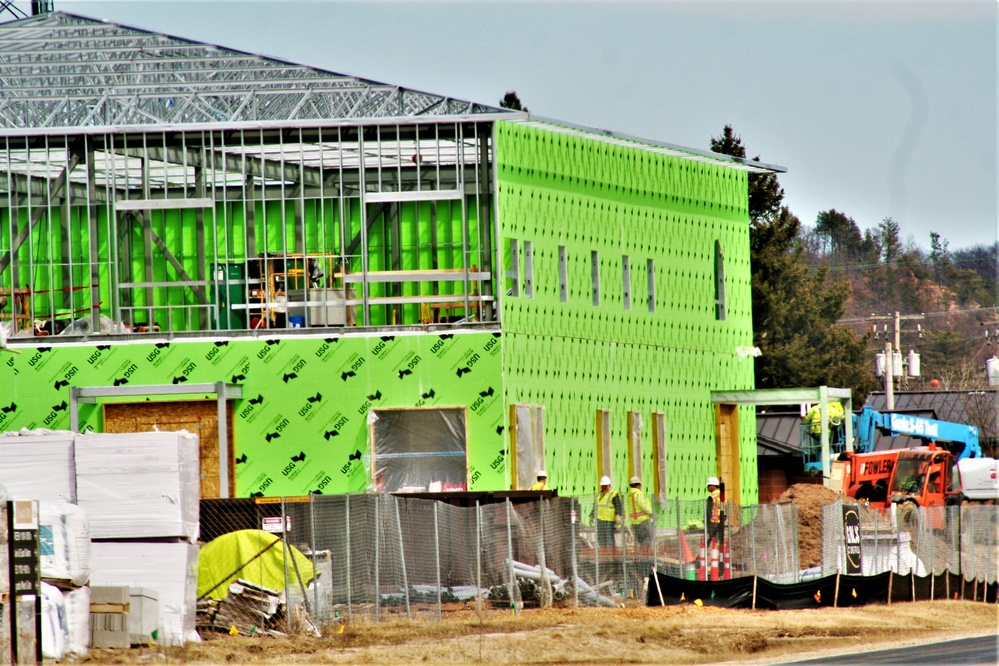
380 555
920 540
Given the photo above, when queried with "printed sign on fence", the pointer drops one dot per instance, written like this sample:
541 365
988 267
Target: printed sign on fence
851 530
272 524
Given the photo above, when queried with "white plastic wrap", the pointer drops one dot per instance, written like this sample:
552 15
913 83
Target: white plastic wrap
139 485
171 569
55 635
77 620
64 538
38 465
419 450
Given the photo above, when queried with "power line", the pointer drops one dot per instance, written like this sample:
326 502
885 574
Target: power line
940 313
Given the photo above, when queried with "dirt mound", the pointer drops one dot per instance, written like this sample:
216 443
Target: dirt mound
809 498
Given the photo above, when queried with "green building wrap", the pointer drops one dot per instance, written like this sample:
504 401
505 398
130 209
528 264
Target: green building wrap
301 425
63 248
588 206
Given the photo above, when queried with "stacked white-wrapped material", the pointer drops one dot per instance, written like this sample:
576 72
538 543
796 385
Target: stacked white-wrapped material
65 621
139 485
78 619
38 465
55 632
64 540
171 569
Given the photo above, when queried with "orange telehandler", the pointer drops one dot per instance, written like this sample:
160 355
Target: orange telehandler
926 475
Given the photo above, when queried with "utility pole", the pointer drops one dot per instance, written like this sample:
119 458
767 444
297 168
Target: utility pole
896 320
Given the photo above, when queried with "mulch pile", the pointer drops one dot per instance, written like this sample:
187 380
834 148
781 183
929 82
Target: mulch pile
809 499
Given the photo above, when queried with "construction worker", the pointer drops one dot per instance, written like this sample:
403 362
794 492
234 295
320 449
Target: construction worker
542 482
609 509
714 513
813 417
639 512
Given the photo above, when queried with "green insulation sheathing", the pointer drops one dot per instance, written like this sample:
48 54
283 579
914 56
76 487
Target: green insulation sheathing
573 195
301 425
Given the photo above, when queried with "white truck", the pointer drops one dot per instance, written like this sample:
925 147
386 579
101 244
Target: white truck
979 479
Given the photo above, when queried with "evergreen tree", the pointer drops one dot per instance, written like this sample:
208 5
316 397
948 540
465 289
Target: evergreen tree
794 309
512 101
841 233
765 193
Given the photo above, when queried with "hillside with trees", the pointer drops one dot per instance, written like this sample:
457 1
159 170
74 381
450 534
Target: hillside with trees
954 292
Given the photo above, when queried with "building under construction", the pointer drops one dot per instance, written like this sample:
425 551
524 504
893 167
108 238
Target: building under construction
344 285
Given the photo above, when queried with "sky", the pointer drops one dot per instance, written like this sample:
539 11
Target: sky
876 109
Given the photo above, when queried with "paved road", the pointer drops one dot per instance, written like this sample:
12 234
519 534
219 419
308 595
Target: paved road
979 650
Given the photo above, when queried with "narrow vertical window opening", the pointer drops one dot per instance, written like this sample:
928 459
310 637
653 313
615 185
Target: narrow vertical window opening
528 269
595 276
512 268
563 279
719 282
626 280
650 270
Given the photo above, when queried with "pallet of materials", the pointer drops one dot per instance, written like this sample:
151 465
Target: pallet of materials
158 473
248 608
109 606
38 465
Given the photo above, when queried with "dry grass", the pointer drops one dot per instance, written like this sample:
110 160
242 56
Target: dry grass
638 635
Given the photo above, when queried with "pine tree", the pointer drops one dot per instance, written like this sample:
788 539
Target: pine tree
512 101
795 310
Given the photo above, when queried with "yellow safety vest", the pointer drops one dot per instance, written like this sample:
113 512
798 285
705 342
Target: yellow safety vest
605 505
540 485
641 508
716 506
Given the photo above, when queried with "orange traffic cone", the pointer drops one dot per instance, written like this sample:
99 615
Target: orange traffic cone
714 563
688 559
727 562
702 573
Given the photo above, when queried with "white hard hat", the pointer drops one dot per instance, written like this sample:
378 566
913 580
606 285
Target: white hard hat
713 481
543 473
634 480
605 481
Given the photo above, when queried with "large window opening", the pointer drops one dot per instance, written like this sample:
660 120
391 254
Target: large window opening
419 450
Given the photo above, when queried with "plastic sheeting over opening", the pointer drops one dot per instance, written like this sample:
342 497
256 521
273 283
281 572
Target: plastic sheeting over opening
419 450
530 444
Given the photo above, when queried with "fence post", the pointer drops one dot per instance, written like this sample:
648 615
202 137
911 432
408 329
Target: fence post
437 553
655 537
679 542
312 546
349 581
286 554
971 545
624 554
877 550
545 587
797 546
596 543
898 540
509 550
402 555
377 559
776 534
478 556
575 573
752 541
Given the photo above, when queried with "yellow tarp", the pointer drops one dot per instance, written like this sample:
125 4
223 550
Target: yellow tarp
238 550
